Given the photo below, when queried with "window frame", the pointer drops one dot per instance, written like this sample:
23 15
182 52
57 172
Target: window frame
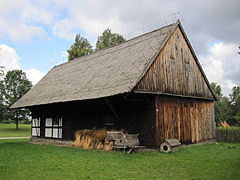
52 127
36 126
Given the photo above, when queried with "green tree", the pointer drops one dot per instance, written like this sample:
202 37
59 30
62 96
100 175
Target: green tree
217 104
14 85
80 47
235 105
1 70
108 39
222 107
2 107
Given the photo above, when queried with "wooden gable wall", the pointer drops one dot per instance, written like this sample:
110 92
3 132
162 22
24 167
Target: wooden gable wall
175 71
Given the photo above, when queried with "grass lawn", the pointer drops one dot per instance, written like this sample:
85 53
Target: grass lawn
9 130
21 160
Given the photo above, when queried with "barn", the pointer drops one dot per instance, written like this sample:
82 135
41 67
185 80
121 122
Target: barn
152 84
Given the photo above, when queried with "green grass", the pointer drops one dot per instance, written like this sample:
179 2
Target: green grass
9 130
21 160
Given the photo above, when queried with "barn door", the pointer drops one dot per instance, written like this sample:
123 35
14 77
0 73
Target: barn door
53 128
185 123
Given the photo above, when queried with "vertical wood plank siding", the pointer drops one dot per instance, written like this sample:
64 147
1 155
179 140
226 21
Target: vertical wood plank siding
188 120
175 71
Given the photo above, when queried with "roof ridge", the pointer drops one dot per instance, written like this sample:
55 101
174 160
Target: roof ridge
101 50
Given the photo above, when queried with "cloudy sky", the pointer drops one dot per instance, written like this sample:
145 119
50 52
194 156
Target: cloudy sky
35 34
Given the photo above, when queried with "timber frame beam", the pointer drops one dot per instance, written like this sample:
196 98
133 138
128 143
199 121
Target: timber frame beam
176 95
112 108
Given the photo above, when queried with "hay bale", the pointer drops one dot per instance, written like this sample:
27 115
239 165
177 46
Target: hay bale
92 139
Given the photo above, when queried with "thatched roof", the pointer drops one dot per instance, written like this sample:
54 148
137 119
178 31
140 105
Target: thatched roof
107 72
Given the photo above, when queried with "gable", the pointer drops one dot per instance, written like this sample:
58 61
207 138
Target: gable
176 71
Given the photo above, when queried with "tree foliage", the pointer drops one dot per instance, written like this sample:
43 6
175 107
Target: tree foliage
12 88
108 39
227 108
80 47
235 103
1 70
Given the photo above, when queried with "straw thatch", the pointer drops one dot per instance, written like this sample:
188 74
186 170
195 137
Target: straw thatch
107 72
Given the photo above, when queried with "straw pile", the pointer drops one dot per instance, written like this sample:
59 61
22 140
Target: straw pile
92 139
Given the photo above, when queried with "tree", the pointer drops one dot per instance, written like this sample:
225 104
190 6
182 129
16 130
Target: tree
227 109
217 104
108 39
80 47
2 107
1 70
222 107
12 88
235 105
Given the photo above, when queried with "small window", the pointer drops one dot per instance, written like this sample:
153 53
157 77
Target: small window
36 127
55 122
53 127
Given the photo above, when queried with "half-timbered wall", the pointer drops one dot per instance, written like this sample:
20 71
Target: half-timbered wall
136 114
189 120
175 71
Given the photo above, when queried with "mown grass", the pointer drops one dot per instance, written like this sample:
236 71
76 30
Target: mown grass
21 160
9 130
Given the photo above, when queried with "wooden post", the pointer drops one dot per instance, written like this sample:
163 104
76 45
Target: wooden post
112 108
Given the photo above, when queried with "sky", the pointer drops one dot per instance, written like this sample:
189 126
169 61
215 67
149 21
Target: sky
35 34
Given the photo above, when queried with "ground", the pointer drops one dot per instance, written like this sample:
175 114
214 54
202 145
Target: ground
9 130
22 160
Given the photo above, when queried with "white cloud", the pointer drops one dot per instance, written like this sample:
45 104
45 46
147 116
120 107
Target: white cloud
20 19
24 19
34 75
10 60
222 65
64 28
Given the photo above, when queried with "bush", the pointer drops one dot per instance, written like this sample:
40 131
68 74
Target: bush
26 121
7 121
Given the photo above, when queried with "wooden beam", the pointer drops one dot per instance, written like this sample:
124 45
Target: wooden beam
112 108
177 95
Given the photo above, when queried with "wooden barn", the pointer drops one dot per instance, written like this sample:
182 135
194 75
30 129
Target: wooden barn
152 84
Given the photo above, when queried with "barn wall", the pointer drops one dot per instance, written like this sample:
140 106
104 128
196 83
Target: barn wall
175 71
136 115
188 120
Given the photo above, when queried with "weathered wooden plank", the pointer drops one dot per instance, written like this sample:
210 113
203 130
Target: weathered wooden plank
175 71
185 119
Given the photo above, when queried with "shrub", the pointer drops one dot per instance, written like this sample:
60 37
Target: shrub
27 121
7 121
